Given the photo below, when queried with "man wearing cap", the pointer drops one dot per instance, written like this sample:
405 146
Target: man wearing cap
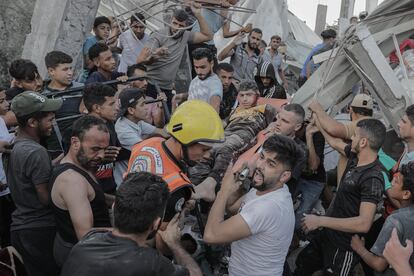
361 108
329 37
131 127
28 174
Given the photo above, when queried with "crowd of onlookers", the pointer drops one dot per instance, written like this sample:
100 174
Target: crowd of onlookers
134 178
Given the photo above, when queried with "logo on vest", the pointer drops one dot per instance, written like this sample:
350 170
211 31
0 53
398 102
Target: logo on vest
159 167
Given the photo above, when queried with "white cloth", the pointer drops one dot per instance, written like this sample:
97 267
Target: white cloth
203 90
271 220
131 48
4 136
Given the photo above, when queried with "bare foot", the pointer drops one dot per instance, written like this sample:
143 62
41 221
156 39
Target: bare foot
206 190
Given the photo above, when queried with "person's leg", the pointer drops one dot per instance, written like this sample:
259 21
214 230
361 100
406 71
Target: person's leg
310 191
341 263
36 249
310 259
6 209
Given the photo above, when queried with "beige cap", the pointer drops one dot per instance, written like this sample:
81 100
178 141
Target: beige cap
362 100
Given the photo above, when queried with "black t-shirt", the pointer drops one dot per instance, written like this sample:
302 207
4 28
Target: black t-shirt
299 166
319 145
358 184
103 254
13 92
229 98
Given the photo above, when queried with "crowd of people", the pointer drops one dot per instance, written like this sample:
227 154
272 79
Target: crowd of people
99 179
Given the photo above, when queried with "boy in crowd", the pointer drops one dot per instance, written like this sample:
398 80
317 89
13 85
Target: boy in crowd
59 68
25 78
100 102
244 124
402 190
155 115
131 127
102 30
105 65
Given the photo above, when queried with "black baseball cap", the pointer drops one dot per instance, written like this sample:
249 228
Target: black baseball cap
128 98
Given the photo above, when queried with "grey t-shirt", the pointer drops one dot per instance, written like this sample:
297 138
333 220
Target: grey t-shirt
164 69
204 90
403 220
244 66
29 165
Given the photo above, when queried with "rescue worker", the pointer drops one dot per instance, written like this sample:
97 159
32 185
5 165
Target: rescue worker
194 127
267 83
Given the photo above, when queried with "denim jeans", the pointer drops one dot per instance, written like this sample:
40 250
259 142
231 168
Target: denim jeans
310 190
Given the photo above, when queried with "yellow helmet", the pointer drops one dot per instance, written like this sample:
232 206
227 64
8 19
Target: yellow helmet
196 121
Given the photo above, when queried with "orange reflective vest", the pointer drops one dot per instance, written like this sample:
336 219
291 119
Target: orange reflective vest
149 156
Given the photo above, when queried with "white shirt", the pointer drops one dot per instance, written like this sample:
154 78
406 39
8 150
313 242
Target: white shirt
203 90
271 220
131 48
4 136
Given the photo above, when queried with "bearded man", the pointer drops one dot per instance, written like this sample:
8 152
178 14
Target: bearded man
77 199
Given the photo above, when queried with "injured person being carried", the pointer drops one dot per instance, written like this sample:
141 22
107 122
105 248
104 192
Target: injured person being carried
243 124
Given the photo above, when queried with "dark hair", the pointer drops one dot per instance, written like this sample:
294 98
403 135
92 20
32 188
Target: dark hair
83 124
246 85
180 15
374 131
22 121
410 113
96 50
136 16
95 93
131 69
23 69
275 37
201 53
287 152
256 30
101 20
54 58
362 111
139 201
297 109
407 171
3 88
329 33
225 67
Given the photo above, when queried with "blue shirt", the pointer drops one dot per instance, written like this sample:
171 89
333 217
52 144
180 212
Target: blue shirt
308 58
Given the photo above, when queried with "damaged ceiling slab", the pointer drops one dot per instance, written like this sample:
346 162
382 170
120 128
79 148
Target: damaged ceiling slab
360 56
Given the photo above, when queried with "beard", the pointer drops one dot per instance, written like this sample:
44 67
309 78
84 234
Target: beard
176 34
265 184
86 162
252 45
201 77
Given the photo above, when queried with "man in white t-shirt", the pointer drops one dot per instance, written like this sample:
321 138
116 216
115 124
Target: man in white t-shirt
132 41
262 228
206 86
